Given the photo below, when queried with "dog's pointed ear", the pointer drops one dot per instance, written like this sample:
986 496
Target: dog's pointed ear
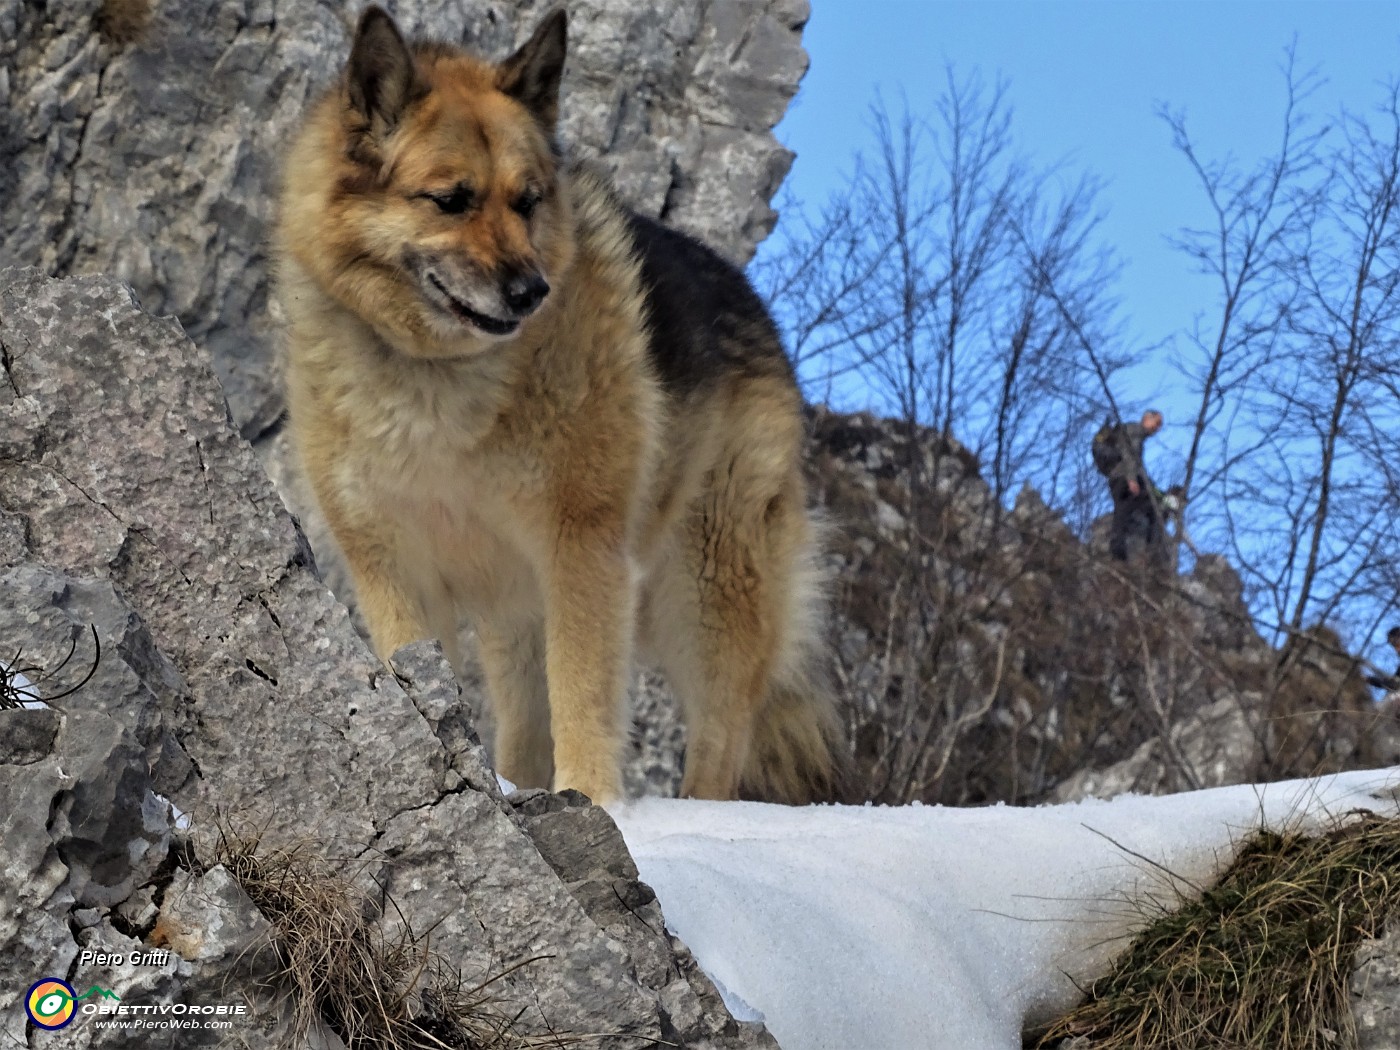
381 76
531 75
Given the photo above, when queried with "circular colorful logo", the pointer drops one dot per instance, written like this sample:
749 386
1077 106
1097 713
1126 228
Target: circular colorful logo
50 1003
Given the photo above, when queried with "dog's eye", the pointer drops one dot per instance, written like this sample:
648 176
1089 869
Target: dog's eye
526 204
454 203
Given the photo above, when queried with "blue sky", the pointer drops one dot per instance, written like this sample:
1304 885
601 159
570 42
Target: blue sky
1086 78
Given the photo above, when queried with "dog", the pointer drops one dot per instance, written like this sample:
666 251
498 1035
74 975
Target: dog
521 405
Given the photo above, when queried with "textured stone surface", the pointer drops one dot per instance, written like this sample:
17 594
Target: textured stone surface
111 831
1215 747
29 736
231 677
117 463
82 832
1375 992
34 898
656 745
218 953
208 919
155 160
132 681
586 850
126 503
465 871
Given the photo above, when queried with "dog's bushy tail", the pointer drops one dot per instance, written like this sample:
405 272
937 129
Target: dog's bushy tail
798 751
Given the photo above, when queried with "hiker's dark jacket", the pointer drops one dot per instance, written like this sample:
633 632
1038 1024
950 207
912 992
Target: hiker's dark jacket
1129 438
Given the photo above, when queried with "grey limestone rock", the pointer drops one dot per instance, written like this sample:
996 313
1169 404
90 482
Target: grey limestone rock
1214 747
123 468
209 919
34 897
585 848
29 736
111 830
1375 993
82 831
233 679
657 740
139 138
132 680
152 154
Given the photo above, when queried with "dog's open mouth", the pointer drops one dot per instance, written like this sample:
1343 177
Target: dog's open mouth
463 312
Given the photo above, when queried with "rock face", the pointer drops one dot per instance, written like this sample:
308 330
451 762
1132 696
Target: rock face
1375 992
141 138
231 681
1216 746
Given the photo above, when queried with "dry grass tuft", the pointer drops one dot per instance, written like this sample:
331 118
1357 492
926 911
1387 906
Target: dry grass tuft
1263 959
374 990
123 22
12 694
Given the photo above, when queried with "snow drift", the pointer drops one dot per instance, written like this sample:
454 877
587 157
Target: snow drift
927 927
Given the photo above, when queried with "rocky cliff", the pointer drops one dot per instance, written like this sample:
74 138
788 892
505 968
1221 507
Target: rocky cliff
984 652
140 138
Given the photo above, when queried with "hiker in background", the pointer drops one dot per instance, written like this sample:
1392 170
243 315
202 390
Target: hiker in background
1390 683
1117 451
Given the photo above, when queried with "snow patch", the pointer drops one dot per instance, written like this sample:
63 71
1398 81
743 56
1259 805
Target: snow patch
928 927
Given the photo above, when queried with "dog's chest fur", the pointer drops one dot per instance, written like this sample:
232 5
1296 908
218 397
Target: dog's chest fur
436 448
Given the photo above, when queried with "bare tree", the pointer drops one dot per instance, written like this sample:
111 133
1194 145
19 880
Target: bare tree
1346 340
1291 465
956 288
1257 218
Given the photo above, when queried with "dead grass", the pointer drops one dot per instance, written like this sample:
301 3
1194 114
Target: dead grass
386 992
12 695
124 22
1263 959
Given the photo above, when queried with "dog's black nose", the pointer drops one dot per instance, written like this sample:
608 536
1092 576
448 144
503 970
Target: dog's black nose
525 292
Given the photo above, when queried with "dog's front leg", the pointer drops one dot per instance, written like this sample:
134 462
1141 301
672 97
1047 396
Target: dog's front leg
588 637
395 612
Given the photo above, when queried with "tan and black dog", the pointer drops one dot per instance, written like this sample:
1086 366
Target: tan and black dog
519 403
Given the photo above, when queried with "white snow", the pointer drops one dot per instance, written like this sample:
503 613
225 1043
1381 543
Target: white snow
927 927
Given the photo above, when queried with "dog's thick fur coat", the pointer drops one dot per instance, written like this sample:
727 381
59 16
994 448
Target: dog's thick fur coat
519 403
